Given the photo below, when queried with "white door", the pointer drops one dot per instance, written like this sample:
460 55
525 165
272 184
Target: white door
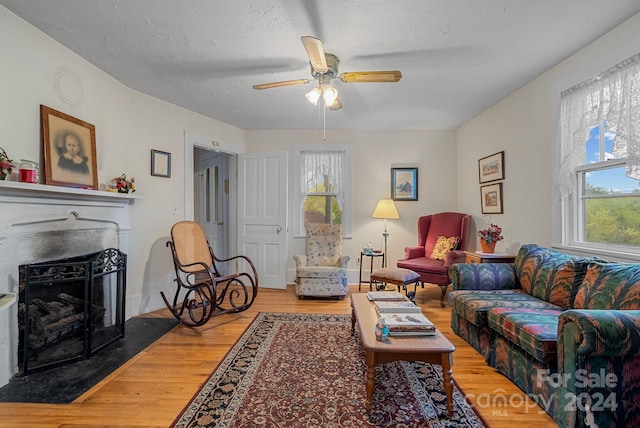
262 215
212 212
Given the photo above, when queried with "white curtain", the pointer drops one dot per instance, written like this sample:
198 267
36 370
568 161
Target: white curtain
317 164
613 96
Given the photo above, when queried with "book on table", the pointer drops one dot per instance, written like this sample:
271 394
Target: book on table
405 323
385 295
397 306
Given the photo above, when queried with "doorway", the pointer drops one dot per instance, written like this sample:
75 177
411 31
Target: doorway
211 198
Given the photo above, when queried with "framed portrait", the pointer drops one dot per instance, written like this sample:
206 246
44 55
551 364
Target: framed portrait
491 198
491 168
160 163
404 184
69 150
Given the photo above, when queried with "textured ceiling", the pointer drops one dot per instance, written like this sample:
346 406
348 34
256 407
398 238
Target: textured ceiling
457 57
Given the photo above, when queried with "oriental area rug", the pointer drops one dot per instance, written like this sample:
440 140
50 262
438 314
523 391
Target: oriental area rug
307 370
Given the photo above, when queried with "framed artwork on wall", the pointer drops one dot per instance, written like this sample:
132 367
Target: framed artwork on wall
491 168
491 198
404 184
69 149
160 163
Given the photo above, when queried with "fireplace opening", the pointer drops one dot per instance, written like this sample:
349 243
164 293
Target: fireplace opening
69 309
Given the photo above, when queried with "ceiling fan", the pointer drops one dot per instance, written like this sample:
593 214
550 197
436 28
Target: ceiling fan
324 68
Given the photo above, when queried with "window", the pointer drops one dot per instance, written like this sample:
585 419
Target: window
609 200
600 160
322 186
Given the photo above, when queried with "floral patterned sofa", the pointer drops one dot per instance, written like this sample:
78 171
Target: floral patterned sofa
564 329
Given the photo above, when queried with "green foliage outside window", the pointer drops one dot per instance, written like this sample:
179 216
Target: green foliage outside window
612 220
320 206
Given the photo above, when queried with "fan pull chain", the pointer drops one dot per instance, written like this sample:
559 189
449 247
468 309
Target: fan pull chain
324 122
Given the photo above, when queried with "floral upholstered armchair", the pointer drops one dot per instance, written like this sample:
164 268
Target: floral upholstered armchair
323 270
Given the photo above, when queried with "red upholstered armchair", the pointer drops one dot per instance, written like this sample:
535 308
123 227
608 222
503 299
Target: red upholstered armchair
419 258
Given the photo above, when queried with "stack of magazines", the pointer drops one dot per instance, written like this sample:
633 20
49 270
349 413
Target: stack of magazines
385 295
409 324
396 306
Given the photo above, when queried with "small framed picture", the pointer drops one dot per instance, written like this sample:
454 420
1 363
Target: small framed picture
491 198
160 163
69 150
491 168
404 184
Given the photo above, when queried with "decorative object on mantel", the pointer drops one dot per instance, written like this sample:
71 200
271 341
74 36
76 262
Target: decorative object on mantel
122 184
489 237
6 164
69 147
28 171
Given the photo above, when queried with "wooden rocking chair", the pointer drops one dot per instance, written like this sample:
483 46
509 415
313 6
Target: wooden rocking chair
202 290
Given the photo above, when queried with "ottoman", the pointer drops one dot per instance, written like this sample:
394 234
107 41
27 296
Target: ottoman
399 277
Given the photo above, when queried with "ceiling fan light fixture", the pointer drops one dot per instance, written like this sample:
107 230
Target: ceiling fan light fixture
336 105
329 95
313 95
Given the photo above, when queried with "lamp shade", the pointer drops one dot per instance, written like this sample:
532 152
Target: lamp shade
329 94
313 95
385 209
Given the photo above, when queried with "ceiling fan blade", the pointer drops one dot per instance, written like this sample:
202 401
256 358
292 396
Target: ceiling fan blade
371 76
315 52
283 83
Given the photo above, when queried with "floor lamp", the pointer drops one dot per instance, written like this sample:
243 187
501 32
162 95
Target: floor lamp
385 209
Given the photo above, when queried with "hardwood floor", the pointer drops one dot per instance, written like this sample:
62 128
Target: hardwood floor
153 388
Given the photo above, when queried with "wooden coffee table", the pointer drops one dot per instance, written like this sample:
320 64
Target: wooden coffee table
434 349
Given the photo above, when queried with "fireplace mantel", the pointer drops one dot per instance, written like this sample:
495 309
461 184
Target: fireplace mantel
43 222
18 189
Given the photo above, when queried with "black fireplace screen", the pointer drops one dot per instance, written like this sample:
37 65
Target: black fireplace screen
70 308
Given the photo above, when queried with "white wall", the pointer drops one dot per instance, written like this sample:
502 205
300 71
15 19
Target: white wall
525 126
374 154
128 125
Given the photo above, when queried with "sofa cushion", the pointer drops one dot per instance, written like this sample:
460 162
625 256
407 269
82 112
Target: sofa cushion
444 245
533 330
423 264
609 286
473 305
550 275
321 272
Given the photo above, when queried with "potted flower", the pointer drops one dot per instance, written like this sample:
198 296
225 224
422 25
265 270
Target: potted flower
489 237
6 164
124 185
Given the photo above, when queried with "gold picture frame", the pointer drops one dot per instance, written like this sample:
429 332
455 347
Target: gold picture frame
69 150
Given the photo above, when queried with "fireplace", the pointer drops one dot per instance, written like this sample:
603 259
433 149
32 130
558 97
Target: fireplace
51 223
69 309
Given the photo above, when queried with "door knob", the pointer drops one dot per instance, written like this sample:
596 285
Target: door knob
279 229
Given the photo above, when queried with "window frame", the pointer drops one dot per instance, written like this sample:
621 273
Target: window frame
575 217
298 209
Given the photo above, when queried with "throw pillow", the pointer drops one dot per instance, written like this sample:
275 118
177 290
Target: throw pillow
443 246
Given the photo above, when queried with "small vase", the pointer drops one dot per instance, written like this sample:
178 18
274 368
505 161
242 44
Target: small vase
487 247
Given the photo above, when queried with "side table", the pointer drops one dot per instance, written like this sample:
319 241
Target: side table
371 259
480 257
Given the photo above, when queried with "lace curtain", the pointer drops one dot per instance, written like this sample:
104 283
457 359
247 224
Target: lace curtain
317 165
613 96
